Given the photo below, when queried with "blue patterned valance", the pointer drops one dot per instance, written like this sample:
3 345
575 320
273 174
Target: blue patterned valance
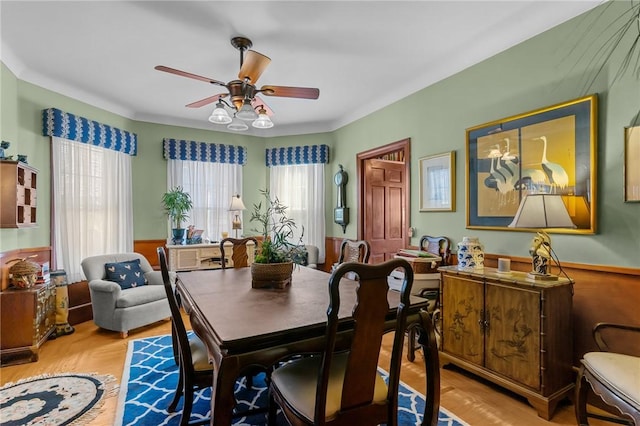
64 125
310 154
175 149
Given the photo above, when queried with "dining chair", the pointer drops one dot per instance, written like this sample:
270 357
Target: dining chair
239 255
614 377
353 251
440 246
195 371
345 387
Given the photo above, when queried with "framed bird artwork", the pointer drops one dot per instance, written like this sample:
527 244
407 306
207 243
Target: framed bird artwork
551 150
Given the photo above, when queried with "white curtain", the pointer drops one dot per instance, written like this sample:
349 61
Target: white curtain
92 204
211 186
301 189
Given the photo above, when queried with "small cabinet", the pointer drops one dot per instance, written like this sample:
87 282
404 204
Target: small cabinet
512 331
28 318
192 257
18 191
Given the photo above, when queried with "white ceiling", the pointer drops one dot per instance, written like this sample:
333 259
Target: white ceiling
362 55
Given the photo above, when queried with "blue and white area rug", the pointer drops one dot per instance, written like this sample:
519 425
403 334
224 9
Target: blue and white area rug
55 400
150 377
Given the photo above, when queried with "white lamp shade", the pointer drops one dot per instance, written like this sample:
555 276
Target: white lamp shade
542 211
236 204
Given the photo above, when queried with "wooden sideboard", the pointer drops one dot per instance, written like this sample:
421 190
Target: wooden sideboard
28 317
510 330
192 257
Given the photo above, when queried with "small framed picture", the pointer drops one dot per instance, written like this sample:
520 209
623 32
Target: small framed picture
438 182
632 164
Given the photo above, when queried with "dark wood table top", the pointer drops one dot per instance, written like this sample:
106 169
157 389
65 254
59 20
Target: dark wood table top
237 314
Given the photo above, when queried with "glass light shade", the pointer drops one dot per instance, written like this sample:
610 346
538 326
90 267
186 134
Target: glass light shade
220 115
263 121
237 125
542 211
247 112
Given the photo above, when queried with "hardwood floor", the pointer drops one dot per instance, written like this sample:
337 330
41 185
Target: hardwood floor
477 402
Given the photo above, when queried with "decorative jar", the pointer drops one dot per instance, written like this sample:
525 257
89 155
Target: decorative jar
470 254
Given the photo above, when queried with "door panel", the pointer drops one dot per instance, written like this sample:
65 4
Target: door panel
384 204
462 302
513 334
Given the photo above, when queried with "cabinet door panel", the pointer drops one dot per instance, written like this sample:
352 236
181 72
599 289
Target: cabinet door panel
187 259
462 302
513 333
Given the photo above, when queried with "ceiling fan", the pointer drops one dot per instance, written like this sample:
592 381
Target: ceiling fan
243 92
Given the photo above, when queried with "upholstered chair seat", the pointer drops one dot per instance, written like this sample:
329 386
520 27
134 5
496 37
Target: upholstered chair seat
614 376
298 383
619 372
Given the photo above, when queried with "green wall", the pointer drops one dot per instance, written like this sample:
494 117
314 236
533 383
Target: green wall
548 69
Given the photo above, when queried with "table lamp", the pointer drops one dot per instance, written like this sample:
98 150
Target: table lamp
542 211
236 206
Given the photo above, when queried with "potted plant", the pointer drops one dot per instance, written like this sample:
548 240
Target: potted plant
177 204
273 265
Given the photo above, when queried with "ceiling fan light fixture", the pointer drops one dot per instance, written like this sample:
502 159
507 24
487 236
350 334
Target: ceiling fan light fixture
263 121
220 115
246 112
237 125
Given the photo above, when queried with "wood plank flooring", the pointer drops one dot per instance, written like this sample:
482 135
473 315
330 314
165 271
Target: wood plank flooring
477 402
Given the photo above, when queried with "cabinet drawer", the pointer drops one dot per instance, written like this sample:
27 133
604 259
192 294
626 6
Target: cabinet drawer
210 252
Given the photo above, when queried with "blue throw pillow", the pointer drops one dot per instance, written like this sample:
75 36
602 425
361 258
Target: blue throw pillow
126 274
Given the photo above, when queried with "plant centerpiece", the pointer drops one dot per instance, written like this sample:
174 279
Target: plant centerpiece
273 265
177 204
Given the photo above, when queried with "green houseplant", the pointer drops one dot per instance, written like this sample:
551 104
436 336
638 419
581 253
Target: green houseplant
177 204
273 265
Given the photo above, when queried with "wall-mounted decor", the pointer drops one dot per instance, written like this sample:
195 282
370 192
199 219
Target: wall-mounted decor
551 150
438 182
632 164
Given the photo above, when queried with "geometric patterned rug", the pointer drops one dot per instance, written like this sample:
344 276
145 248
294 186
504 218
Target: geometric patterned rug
150 377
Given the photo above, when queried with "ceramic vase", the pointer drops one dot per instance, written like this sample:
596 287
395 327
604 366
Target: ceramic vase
470 254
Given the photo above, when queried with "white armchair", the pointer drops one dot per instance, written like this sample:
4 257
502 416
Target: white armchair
118 309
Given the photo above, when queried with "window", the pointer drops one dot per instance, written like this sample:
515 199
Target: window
301 188
92 204
211 186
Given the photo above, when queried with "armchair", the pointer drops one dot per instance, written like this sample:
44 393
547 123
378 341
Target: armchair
118 309
614 377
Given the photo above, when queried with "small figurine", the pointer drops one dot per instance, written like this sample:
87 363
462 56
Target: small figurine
540 252
3 145
22 158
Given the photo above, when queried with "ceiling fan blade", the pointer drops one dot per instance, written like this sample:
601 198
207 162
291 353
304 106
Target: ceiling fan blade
258 101
206 101
189 75
253 66
291 92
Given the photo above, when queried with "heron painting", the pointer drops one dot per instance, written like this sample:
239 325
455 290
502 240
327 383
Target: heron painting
551 150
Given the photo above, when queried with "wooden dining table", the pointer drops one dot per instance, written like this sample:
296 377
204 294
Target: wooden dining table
243 327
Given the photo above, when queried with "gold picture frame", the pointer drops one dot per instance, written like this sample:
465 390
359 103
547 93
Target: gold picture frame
438 182
550 150
632 164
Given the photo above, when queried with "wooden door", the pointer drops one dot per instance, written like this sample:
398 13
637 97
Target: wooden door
383 197
384 200
462 318
513 333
